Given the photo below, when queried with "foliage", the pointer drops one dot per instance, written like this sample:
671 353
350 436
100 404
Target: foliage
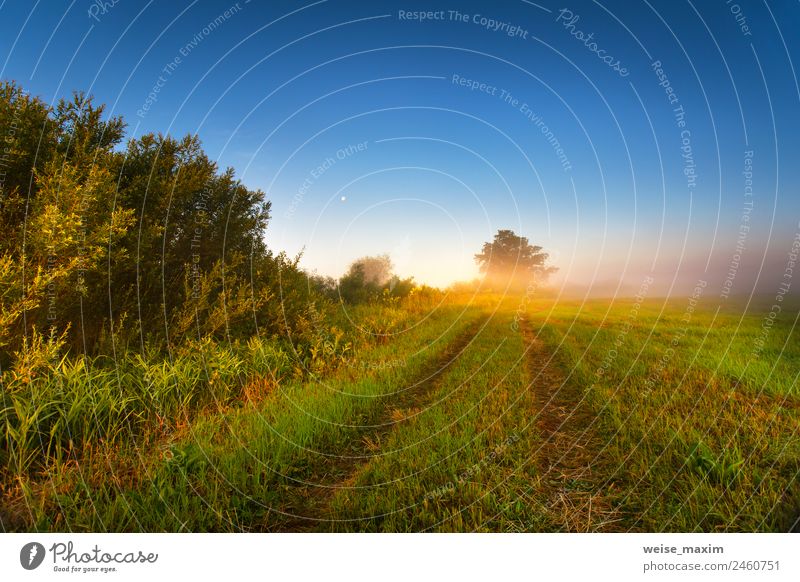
136 288
146 243
55 406
510 260
371 279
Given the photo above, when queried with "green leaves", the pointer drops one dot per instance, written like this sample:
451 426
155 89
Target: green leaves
89 234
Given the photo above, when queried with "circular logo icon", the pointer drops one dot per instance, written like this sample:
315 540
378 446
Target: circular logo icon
31 555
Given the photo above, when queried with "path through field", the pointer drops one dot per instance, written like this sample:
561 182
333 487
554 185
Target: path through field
307 501
489 437
571 449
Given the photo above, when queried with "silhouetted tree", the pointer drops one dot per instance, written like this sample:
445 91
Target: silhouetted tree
510 260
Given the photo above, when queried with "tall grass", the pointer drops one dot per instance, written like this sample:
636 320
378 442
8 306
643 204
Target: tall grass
53 409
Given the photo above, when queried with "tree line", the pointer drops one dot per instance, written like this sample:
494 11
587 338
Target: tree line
106 245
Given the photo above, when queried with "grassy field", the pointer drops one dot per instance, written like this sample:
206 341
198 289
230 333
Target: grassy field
488 414
697 405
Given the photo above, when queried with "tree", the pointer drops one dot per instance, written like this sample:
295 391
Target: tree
370 278
510 260
147 241
376 270
57 218
27 141
189 216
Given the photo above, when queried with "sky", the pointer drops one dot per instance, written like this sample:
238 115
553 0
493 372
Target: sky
635 142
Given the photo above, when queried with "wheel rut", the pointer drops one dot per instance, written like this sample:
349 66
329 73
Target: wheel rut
568 483
306 505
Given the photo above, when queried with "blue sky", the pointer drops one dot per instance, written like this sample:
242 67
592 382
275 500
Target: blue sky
354 118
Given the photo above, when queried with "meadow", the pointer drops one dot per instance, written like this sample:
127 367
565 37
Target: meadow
463 414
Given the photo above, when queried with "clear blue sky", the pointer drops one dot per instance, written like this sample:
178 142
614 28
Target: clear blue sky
285 91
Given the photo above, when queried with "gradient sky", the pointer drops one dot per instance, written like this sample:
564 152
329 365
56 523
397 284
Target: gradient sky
284 92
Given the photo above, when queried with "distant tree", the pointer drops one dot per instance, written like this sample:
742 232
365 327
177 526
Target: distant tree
511 260
377 270
372 278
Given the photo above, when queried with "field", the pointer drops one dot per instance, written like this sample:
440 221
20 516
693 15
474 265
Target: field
473 413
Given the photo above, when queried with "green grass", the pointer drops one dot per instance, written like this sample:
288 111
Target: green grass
596 416
452 462
225 469
469 459
700 430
